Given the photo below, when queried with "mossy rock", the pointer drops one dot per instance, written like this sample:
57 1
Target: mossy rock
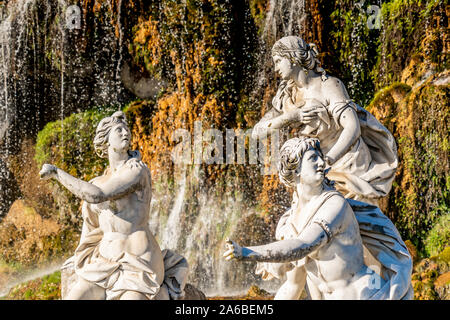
27 238
431 277
442 286
444 256
418 119
412 37
439 237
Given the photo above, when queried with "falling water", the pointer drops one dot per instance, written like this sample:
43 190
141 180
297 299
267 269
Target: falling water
198 234
284 18
119 26
62 8
12 16
172 231
4 36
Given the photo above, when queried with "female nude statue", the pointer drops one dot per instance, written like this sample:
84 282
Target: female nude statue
360 151
323 238
118 257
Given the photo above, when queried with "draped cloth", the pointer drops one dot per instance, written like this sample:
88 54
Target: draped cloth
379 236
126 272
367 169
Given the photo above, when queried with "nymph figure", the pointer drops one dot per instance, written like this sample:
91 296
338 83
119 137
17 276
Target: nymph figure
361 152
118 257
324 236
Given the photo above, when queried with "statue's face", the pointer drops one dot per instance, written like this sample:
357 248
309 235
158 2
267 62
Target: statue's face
283 66
312 168
119 138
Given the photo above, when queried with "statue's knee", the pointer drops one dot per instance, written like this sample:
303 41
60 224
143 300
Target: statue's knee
84 290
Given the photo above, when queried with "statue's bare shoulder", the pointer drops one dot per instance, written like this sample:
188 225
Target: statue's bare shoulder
335 89
335 213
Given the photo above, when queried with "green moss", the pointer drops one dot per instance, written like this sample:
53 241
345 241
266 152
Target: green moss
439 237
409 31
258 12
354 45
142 111
383 93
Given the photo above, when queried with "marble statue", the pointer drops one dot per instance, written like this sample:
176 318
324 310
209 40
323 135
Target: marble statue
335 248
118 257
360 151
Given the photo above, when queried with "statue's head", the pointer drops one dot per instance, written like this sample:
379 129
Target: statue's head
112 131
298 52
301 160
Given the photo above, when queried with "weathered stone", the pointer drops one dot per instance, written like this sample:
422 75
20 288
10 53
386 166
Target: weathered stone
120 256
320 222
442 286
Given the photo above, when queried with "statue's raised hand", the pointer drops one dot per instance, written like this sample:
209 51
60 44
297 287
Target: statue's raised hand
48 171
233 250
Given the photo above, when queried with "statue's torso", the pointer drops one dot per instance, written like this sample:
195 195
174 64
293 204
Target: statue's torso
124 222
337 269
326 131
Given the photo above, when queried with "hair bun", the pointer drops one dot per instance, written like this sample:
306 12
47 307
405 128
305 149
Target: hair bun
119 115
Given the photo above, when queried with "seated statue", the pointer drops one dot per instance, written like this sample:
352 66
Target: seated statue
328 244
118 257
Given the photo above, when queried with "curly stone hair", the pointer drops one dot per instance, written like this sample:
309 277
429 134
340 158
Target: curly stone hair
291 155
103 130
299 52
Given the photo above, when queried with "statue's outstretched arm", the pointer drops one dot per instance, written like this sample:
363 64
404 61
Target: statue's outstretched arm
328 221
117 186
270 121
311 239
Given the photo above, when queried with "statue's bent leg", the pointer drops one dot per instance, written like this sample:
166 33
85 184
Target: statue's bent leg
294 285
85 290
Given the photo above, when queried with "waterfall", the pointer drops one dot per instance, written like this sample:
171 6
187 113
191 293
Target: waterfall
14 20
198 233
48 70
172 232
11 40
4 96
62 30
284 18
119 26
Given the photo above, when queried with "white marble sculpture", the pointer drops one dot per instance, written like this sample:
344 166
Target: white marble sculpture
361 152
337 248
118 257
